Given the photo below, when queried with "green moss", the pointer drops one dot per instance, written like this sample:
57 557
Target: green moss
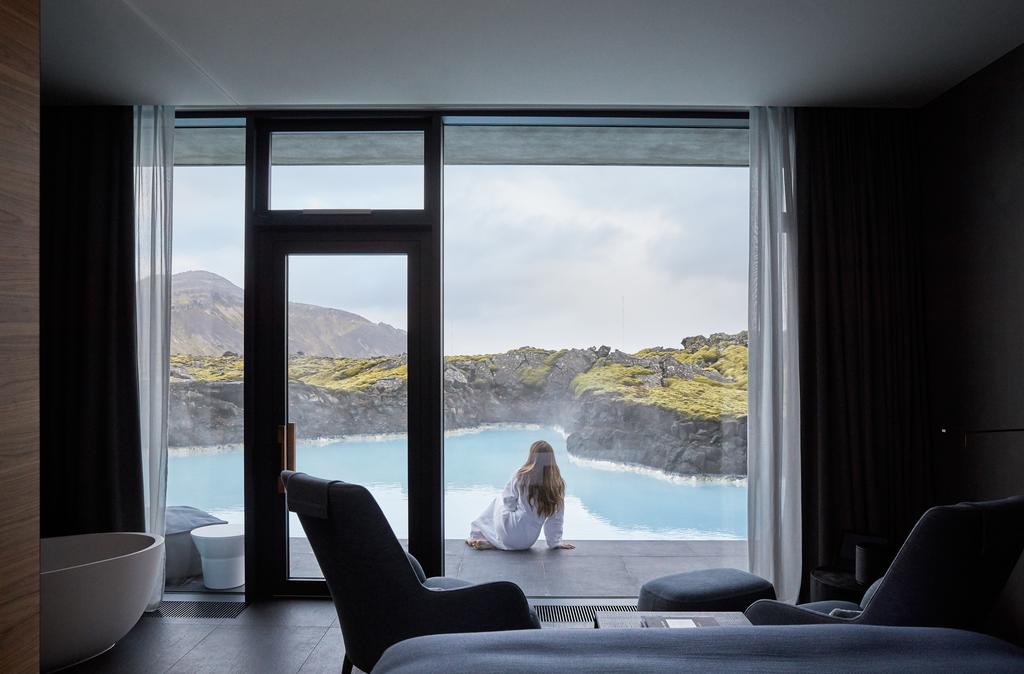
308 368
530 349
534 376
614 378
655 353
705 356
368 378
553 358
700 398
537 376
729 361
733 364
344 374
210 368
476 358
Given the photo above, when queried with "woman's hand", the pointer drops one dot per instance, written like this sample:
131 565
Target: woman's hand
565 546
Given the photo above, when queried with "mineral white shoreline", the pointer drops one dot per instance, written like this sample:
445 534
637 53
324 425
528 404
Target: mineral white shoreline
208 449
674 478
371 437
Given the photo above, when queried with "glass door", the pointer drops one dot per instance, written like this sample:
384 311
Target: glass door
339 361
348 382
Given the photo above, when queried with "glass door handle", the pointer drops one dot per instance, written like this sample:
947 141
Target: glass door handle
286 440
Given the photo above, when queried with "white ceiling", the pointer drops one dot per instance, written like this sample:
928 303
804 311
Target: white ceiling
519 53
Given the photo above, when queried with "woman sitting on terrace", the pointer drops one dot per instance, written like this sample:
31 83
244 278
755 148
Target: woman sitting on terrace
533 499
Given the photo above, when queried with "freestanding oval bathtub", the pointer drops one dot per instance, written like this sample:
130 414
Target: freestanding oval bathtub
93 589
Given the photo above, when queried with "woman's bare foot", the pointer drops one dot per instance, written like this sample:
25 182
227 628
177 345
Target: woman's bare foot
477 544
566 546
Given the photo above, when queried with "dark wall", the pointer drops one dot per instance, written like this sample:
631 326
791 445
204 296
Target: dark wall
974 291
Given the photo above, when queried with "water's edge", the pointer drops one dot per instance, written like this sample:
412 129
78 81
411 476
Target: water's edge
605 500
613 466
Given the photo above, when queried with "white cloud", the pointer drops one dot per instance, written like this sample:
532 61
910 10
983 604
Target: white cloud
547 256
578 256
209 221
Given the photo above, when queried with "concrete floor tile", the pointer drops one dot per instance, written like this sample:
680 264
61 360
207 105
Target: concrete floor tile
153 645
254 649
328 655
291 612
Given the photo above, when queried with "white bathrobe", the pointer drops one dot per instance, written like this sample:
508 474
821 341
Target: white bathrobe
511 523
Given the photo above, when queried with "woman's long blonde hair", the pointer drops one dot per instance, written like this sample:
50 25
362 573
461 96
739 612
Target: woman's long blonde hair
545 488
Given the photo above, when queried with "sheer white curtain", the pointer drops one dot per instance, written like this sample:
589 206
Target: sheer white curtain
773 448
154 170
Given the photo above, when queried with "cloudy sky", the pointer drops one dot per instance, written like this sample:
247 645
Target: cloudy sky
548 256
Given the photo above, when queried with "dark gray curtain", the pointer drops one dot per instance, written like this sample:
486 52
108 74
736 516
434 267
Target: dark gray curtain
91 471
866 463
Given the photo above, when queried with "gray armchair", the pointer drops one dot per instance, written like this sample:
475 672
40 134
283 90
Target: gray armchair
380 592
947 574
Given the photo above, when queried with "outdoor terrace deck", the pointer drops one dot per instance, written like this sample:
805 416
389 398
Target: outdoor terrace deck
593 569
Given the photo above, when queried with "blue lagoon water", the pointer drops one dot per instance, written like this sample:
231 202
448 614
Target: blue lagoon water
603 501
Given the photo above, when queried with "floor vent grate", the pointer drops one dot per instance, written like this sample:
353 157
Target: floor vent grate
574 613
198 609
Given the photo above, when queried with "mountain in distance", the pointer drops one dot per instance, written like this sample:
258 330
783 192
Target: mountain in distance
207 320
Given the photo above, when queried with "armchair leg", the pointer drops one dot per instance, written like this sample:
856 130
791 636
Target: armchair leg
346 666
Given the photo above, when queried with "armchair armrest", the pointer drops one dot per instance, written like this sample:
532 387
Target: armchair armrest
415 563
772 612
486 607
423 611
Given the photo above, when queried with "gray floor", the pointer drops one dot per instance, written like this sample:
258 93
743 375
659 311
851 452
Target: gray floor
302 635
295 635
593 569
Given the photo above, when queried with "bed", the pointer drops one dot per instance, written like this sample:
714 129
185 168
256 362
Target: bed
795 648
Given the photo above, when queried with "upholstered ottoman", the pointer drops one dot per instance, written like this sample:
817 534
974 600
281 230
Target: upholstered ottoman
706 590
183 561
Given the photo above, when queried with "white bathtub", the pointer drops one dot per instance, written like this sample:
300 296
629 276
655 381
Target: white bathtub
93 589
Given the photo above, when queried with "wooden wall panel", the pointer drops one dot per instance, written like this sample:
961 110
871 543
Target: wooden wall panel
19 335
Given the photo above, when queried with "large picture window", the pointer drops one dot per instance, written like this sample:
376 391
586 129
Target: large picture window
595 291
596 298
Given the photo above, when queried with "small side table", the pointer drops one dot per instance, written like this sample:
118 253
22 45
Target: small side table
634 620
222 549
829 584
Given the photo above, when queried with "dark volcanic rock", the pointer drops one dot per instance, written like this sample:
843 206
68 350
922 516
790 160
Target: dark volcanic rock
521 386
205 414
605 429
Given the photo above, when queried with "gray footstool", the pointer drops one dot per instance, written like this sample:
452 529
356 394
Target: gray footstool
183 561
706 590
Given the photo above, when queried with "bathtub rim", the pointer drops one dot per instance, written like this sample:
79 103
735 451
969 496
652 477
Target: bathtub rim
156 540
